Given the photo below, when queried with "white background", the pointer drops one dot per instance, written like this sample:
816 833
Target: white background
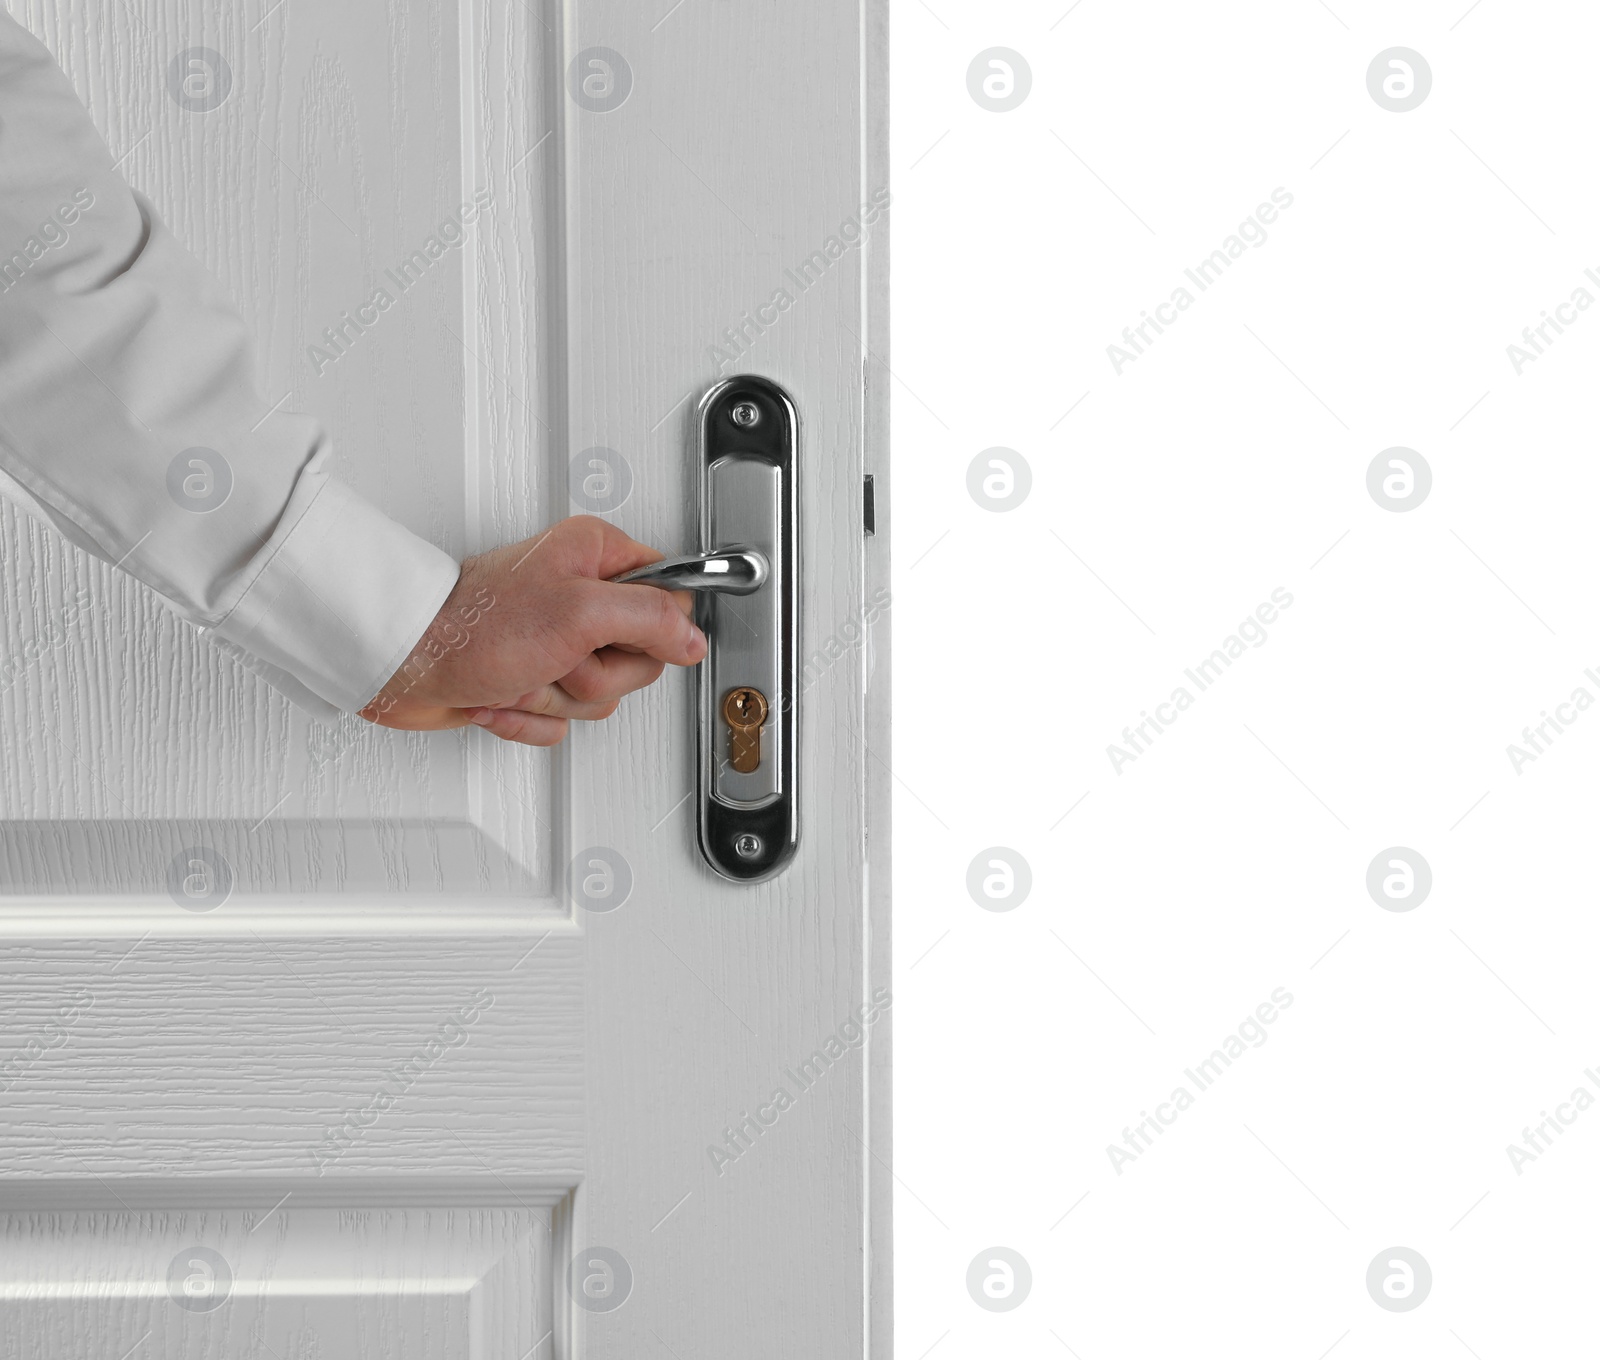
1231 858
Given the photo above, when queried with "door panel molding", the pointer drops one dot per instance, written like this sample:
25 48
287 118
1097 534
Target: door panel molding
108 1194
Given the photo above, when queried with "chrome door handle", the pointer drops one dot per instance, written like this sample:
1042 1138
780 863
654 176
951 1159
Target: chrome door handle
748 603
733 571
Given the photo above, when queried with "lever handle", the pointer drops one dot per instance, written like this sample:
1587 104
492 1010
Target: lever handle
729 571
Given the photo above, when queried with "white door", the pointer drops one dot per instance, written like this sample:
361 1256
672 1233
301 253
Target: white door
352 1043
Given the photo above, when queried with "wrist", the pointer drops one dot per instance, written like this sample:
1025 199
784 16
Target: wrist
424 674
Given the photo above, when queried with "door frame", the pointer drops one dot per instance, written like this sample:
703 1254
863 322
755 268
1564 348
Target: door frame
880 787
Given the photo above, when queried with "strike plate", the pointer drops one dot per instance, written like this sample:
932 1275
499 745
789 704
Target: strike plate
748 446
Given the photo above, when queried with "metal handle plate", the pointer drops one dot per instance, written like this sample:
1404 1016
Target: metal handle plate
748 446
748 579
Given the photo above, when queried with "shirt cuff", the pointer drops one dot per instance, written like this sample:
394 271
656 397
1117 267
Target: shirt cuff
340 604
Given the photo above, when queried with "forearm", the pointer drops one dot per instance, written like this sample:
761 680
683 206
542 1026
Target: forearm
130 417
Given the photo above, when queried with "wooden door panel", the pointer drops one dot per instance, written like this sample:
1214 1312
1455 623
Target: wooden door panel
298 1059
378 210
287 1281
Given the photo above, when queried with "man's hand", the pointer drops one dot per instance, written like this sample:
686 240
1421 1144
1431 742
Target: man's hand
535 634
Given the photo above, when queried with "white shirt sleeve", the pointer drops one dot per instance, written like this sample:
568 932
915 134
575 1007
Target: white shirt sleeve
130 419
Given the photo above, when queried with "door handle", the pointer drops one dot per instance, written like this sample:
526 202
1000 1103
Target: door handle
733 571
747 579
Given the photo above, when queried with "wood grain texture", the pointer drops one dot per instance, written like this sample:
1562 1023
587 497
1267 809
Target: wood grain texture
312 1284
622 248
343 146
737 155
263 1057
879 686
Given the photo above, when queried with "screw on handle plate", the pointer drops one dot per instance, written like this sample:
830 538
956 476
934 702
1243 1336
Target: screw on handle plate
745 712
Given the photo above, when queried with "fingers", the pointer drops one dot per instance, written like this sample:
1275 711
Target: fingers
527 729
615 552
588 693
640 618
553 701
541 717
608 674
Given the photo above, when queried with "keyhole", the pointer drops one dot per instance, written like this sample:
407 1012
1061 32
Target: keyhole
745 710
